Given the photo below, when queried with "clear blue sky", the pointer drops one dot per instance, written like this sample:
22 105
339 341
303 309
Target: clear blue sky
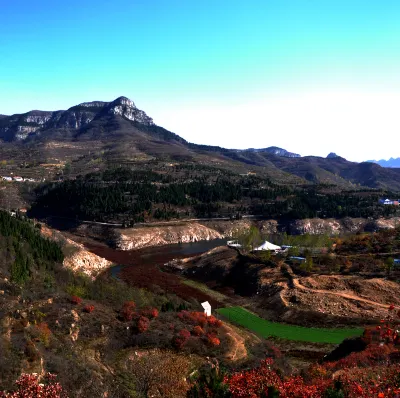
307 75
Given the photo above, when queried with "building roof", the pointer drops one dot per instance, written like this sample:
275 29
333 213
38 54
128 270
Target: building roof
268 246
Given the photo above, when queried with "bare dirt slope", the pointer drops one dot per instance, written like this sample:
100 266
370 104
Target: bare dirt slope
275 291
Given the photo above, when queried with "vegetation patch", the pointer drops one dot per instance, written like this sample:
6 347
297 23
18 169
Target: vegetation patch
289 332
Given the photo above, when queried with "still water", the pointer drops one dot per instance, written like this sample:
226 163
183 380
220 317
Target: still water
157 255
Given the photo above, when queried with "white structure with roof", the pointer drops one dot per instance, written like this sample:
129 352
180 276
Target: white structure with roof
268 246
207 308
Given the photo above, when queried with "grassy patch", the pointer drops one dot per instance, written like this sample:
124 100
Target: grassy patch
205 289
266 328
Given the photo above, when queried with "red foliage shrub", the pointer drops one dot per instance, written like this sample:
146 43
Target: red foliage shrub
29 387
214 322
198 331
142 324
194 317
213 340
75 300
127 311
88 308
150 313
180 339
373 355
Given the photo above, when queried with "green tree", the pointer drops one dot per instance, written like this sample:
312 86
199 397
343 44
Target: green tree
250 239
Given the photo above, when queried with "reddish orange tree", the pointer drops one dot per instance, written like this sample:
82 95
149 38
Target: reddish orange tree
28 386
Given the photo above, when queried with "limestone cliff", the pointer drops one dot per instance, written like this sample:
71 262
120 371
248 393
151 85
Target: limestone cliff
79 259
20 126
135 238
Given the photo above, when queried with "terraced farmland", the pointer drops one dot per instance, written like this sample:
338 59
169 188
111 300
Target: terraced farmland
266 328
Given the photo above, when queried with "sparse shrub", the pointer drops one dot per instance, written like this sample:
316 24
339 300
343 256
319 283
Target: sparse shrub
76 290
88 308
75 300
142 324
44 333
31 352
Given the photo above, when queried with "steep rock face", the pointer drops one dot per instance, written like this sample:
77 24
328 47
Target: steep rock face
81 260
315 226
76 257
136 238
21 126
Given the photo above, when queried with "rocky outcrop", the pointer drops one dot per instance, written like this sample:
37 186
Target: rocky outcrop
79 259
315 226
20 127
136 238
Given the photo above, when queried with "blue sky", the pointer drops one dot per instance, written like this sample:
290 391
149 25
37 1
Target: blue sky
312 76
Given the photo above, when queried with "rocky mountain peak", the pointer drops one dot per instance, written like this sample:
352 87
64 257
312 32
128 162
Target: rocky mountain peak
21 126
274 150
126 108
332 155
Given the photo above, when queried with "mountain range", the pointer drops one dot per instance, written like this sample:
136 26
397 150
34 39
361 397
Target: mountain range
98 134
392 162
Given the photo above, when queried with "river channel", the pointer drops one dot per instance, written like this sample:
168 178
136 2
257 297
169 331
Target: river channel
152 256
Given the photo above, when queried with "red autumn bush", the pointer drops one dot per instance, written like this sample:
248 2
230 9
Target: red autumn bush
214 322
181 339
213 340
127 311
150 313
88 308
198 331
142 324
194 317
28 386
75 300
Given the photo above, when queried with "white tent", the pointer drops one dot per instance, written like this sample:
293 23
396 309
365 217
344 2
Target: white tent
207 308
268 246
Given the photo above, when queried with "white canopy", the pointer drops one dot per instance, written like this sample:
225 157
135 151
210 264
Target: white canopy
268 246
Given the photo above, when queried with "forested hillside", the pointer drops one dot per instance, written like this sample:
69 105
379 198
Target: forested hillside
129 196
24 250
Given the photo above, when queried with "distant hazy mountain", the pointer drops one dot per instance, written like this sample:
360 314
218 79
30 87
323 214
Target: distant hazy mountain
392 162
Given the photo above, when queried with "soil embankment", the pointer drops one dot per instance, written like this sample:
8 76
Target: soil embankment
166 233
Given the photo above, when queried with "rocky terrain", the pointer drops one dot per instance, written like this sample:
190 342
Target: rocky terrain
76 257
274 291
184 232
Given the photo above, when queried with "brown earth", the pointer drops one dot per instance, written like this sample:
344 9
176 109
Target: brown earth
275 292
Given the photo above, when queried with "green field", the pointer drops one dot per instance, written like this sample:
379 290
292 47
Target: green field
266 328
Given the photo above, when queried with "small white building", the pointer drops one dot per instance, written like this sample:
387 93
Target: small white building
207 308
233 243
